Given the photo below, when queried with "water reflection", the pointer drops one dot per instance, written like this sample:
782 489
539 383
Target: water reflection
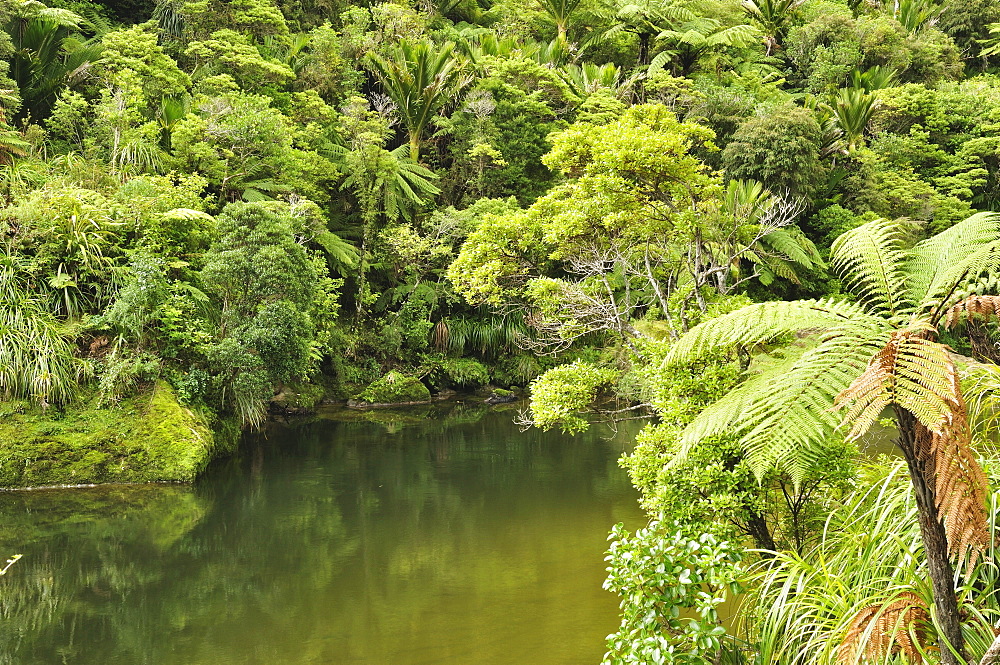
357 538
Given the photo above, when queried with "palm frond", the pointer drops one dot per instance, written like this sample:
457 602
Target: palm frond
870 259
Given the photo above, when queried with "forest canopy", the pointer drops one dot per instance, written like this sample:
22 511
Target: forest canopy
765 224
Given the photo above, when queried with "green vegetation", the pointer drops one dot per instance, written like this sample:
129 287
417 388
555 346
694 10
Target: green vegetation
393 388
148 437
770 224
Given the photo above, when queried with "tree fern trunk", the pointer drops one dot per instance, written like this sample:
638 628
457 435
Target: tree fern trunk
935 543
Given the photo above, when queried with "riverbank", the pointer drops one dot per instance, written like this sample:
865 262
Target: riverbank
149 437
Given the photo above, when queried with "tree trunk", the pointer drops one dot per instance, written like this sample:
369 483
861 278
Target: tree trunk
992 653
644 40
415 145
761 534
935 543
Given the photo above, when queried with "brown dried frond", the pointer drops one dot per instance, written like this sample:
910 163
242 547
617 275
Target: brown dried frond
442 336
919 376
881 630
910 371
960 486
973 307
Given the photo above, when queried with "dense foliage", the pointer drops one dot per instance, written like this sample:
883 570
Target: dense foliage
764 222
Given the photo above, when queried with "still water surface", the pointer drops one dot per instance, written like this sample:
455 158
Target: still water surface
445 536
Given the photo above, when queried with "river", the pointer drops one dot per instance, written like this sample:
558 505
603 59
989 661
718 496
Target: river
440 536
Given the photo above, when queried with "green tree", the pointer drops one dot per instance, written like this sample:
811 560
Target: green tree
420 79
271 293
880 353
781 150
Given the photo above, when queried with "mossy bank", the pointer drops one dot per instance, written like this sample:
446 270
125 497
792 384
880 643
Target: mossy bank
150 437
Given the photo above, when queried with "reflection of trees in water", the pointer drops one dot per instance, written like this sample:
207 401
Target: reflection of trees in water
306 537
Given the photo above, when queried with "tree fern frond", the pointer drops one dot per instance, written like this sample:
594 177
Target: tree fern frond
765 322
726 414
984 307
870 259
910 371
885 629
976 273
960 486
343 254
790 430
930 260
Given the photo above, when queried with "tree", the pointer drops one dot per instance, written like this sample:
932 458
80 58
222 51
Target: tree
882 352
419 78
387 184
781 150
273 297
773 17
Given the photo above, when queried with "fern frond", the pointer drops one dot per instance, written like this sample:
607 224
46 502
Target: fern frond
960 487
725 415
910 371
870 259
976 273
342 253
794 246
765 322
790 428
886 629
930 259
984 307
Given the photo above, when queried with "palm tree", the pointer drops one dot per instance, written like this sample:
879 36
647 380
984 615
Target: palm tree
772 16
46 55
559 11
881 352
851 110
420 79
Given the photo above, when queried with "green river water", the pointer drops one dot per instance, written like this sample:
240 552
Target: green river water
441 536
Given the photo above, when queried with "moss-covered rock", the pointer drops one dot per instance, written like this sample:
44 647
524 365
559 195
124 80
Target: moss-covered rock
297 399
393 388
147 438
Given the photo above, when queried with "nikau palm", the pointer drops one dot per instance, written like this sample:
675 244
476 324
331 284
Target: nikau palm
862 358
419 78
